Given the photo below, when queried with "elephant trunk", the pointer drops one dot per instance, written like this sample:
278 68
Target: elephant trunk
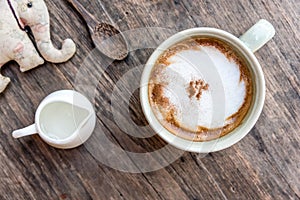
41 34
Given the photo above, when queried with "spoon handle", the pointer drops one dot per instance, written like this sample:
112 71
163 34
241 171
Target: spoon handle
88 17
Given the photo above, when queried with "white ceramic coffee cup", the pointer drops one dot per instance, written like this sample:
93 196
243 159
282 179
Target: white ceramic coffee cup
247 44
78 105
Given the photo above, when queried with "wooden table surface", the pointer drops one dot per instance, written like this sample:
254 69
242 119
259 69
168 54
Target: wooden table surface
264 165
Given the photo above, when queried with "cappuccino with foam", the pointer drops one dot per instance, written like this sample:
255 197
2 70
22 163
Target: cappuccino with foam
200 89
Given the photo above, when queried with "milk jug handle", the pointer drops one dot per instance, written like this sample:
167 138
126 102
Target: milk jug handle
29 130
258 35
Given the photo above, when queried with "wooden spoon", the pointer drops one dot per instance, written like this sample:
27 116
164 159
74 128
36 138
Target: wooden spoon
105 36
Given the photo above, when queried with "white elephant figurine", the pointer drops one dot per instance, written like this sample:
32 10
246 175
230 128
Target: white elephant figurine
15 44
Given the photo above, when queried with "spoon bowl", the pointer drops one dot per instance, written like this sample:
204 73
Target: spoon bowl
110 41
107 38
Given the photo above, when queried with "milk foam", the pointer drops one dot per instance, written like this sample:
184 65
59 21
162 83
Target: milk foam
223 98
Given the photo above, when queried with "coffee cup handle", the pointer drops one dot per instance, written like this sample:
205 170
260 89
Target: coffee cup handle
258 35
29 130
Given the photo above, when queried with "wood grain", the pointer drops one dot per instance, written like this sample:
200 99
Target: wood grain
264 165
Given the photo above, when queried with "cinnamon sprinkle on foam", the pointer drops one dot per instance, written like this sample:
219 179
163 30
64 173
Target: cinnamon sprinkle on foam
196 88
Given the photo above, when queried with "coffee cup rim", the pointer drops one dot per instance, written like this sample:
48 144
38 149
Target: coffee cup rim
239 132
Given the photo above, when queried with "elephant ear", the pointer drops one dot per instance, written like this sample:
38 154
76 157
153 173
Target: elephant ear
13 5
